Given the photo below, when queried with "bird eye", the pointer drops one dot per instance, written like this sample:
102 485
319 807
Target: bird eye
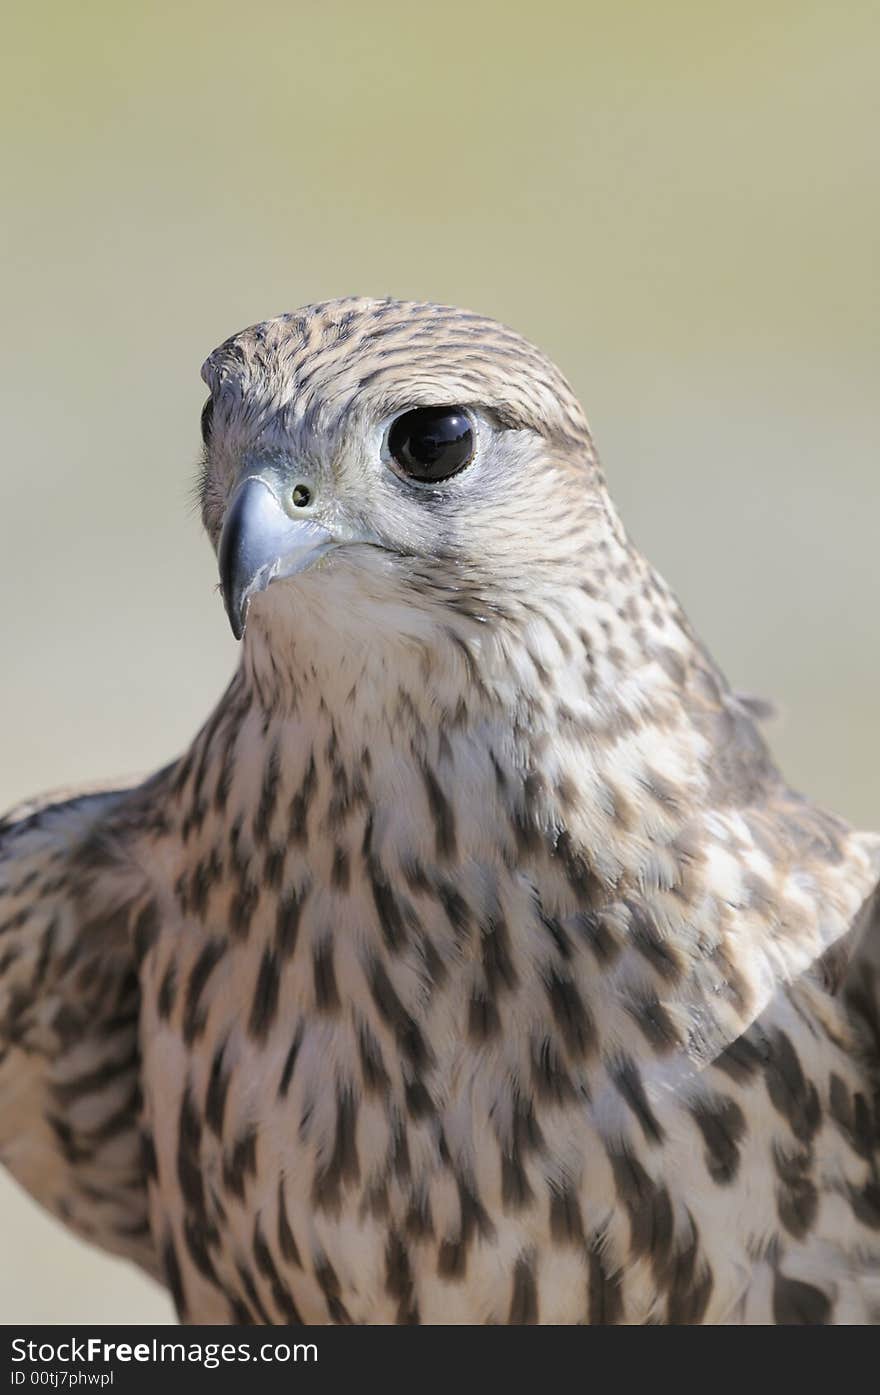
207 420
432 443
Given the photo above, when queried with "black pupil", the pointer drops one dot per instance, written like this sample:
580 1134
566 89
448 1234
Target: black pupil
432 443
207 420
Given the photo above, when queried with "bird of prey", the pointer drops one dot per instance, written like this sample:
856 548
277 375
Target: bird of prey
475 963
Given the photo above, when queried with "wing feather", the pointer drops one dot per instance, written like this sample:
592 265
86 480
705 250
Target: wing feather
69 1005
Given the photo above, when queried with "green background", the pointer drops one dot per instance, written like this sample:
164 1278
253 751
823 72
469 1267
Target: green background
679 201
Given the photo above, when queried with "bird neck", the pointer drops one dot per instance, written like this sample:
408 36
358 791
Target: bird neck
580 717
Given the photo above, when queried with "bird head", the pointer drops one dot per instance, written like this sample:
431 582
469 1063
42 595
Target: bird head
413 458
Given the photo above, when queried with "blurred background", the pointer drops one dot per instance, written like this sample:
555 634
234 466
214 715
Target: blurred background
680 202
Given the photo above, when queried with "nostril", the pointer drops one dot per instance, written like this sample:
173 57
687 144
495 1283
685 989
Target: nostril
301 496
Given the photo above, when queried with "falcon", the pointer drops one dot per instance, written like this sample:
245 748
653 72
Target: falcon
475 963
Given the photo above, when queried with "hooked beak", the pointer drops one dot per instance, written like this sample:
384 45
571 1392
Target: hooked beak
260 542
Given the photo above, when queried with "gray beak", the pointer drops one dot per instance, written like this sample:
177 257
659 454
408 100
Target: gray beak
259 542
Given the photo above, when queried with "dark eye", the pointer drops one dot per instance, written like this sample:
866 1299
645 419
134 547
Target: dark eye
207 420
432 443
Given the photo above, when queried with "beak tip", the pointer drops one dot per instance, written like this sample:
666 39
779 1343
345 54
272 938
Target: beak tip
236 608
